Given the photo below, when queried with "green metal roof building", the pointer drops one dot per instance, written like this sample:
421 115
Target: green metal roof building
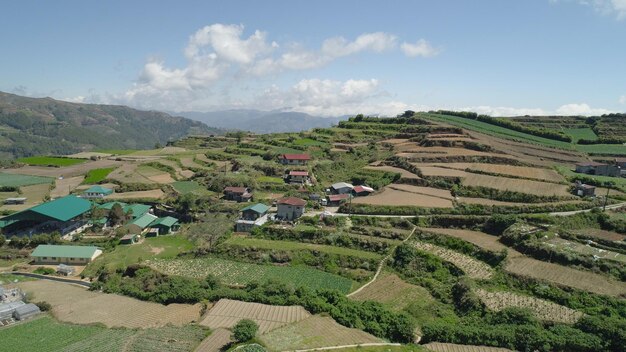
61 209
257 208
165 225
57 254
137 209
97 192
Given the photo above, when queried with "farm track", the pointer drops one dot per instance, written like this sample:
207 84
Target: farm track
380 265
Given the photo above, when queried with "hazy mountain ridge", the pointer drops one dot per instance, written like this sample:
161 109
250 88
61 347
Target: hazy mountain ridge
35 126
261 121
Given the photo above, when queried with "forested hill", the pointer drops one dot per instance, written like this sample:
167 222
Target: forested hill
40 126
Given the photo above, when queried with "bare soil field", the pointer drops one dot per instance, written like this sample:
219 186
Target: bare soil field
315 332
65 186
544 174
405 174
429 191
444 150
391 290
226 313
394 141
390 196
440 171
516 185
562 275
68 171
154 193
602 234
473 268
162 178
542 309
451 347
485 201
34 195
188 162
215 342
127 173
480 239
88 155
75 304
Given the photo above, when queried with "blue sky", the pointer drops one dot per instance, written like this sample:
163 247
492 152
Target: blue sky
322 57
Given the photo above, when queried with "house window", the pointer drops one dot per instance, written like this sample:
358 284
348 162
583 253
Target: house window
53 258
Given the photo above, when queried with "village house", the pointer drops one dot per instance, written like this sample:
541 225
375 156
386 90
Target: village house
301 177
341 188
252 216
362 191
335 200
16 200
290 208
165 225
238 194
63 254
96 192
584 190
130 238
294 159
141 224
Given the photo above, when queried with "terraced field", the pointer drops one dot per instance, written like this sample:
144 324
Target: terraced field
394 197
405 174
226 313
516 185
451 347
391 290
602 234
315 332
542 309
543 174
239 273
562 275
74 304
480 239
470 266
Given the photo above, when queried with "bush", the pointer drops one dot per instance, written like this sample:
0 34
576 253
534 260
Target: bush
44 271
244 330
44 306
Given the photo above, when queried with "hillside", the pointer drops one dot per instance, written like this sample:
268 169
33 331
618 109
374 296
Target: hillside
34 126
261 121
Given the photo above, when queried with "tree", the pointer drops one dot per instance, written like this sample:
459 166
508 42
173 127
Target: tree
3 240
116 214
244 330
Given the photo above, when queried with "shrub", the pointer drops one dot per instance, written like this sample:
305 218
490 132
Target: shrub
244 330
44 306
44 271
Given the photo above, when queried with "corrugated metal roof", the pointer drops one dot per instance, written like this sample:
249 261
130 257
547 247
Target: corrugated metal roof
166 221
339 185
259 208
99 189
61 209
292 201
144 221
63 251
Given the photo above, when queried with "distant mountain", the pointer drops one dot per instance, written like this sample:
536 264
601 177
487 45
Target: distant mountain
35 126
261 121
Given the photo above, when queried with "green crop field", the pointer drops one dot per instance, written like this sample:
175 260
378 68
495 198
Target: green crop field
580 133
308 142
270 179
50 161
619 182
185 187
123 255
45 334
238 273
116 151
600 149
17 180
291 246
97 175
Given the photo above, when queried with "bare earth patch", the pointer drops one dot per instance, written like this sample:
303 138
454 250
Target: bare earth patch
562 275
75 304
602 234
391 290
315 332
542 309
440 171
429 191
480 239
65 186
154 193
226 313
215 342
393 197
405 174
516 185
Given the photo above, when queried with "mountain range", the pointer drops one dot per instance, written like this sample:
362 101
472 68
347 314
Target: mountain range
261 121
39 126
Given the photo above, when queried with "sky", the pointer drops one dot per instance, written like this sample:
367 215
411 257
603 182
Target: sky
326 58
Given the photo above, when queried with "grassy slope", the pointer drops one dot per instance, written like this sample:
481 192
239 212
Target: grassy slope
97 175
50 161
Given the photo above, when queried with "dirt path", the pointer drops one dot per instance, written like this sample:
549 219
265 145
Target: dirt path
381 264
350 346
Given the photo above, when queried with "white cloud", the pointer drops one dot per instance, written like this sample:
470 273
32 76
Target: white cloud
580 109
376 42
421 48
606 7
622 99
226 43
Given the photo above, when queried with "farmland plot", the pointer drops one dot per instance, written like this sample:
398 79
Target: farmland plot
226 313
602 234
542 309
405 174
127 173
315 332
17 180
394 197
470 266
153 193
429 191
77 305
516 185
65 171
562 275
63 187
485 201
575 247
480 239
391 290
237 273
451 347
34 195
440 171
543 174
218 339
